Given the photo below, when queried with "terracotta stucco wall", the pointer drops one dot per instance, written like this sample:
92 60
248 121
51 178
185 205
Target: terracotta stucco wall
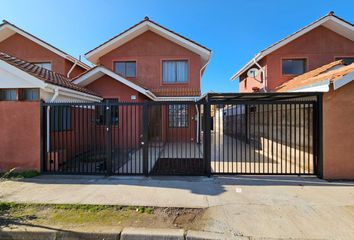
148 50
25 49
319 47
20 136
338 133
247 83
108 87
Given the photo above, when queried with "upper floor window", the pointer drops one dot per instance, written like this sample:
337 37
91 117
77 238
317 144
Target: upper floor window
8 94
346 60
126 69
46 65
175 71
293 66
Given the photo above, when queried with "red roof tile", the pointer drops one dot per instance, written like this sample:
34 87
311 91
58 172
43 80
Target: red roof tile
332 72
175 92
43 74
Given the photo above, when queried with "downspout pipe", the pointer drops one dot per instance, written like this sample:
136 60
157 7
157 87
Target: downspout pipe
55 96
198 117
71 69
264 78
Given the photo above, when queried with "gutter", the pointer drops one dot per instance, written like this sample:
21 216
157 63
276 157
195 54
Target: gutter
71 69
206 64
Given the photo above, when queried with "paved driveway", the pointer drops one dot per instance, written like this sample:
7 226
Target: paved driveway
270 207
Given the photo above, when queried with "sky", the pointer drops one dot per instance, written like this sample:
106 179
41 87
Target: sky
234 30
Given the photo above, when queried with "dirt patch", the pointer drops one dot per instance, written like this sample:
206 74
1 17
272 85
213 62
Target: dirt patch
96 217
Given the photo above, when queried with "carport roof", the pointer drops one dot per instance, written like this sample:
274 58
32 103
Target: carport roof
259 97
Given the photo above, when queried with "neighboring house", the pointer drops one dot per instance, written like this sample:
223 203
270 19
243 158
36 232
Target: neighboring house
21 44
336 81
323 41
22 86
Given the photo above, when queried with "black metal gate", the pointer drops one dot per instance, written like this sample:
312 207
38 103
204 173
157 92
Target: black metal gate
116 138
221 134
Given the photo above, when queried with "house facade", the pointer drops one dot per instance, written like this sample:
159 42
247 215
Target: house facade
147 62
23 45
336 81
328 39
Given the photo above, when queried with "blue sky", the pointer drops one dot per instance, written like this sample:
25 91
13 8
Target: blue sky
234 30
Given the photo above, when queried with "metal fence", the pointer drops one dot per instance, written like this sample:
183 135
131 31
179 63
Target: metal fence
212 136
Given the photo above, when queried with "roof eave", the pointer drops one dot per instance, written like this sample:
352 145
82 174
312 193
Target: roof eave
94 54
44 44
290 38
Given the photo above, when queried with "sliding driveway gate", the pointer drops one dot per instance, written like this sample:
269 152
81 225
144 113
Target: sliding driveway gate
221 134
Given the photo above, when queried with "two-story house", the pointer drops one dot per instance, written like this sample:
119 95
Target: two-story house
325 40
149 62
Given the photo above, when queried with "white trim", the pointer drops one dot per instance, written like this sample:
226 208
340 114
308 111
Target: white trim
72 93
47 87
20 74
331 22
98 72
177 98
144 26
343 80
9 26
319 88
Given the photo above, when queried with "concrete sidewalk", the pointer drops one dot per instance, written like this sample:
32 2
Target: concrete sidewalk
252 206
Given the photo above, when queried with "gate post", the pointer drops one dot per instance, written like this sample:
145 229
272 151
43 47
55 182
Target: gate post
206 140
319 127
144 143
42 130
108 110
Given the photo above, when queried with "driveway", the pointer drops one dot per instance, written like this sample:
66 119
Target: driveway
256 206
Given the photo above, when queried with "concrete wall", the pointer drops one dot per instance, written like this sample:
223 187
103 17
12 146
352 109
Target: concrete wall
25 49
338 133
149 50
319 47
20 136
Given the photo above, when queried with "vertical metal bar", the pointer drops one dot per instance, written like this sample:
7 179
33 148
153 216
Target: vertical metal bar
276 137
41 136
259 137
319 128
108 110
145 138
207 135
263 138
281 138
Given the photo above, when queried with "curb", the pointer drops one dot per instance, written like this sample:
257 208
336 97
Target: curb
128 233
152 234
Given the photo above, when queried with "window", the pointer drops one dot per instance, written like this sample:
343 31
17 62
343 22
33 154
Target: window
347 60
175 71
8 94
30 94
46 65
60 119
178 116
293 66
126 69
101 113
